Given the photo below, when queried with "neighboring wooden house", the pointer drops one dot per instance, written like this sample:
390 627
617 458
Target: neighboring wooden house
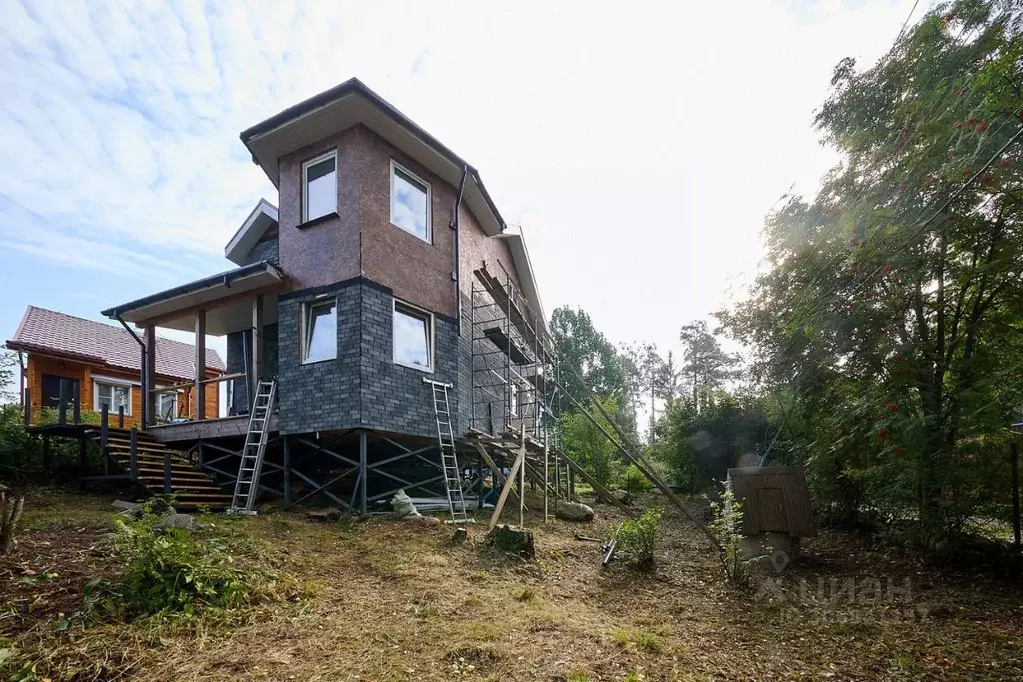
99 364
384 271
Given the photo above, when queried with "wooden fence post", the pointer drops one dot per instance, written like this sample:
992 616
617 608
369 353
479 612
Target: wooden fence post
287 473
104 434
133 455
76 409
28 407
120 416
62 403
166 472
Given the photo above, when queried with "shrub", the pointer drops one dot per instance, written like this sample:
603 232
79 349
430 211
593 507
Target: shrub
174 570
634 481
637 539
727 525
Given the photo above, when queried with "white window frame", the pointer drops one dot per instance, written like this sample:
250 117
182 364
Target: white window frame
431 334
305 183
395 166
113 383
159 402
306 335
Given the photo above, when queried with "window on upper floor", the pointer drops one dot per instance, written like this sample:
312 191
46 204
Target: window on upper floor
413 337
319 186
114 396
319 331
410 202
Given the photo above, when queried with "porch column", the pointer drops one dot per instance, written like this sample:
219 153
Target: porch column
200 365
257 343
149 377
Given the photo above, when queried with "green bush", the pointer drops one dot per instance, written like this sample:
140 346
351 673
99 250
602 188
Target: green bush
634 481
637 539
173 570
727 526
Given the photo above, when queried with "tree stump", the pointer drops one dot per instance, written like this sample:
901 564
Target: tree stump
508 538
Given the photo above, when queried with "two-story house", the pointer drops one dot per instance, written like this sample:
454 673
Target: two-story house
384 263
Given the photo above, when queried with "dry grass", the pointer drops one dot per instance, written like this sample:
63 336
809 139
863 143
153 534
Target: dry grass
389 601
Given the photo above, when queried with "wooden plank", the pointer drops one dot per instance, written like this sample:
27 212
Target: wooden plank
257 344
496 470
601 491
507 487
200 365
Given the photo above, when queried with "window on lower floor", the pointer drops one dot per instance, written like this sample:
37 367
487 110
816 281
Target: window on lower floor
167 405
114 396
413 337
320 331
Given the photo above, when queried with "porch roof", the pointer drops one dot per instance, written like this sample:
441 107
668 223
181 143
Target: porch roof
226 298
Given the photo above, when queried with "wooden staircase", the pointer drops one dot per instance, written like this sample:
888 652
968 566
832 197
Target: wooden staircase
191 486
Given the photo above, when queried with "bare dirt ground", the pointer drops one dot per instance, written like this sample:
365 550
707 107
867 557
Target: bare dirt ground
387 600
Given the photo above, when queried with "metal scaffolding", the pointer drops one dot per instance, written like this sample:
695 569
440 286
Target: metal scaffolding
515 371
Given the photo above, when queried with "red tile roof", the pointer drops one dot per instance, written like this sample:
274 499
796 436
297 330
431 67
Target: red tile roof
47 331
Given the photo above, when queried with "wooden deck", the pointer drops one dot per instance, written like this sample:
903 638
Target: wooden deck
208 428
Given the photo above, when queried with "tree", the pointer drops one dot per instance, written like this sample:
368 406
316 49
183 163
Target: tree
706 366
587 445
585 350
890 308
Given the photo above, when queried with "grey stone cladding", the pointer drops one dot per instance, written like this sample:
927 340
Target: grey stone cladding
362 387
265 249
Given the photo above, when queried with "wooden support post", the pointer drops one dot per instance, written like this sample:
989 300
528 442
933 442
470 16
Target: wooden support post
200 365
82 458
257 344
120 416
522 476
149 382
519 459
546 482
363 471
1015 495
167 481
479 475
200 454
571 483
133 455
28 407
287 473
62 403
104 435
46 452
76 404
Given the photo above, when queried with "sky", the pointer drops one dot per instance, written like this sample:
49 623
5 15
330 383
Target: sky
638 145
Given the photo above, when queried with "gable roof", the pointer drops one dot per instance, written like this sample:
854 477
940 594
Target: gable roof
260 220
47 331
352 102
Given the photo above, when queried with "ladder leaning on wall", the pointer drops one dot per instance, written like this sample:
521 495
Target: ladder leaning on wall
246 486
448 458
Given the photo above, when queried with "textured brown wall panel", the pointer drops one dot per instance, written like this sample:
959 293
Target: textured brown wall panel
418 272
476 247
327 252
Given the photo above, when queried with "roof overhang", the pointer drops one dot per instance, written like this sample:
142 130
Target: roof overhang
226 298
349 104
527 278
262 218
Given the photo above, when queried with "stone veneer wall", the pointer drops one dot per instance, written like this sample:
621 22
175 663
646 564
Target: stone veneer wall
362 387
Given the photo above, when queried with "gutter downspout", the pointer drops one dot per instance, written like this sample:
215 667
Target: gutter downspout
456 226
145 387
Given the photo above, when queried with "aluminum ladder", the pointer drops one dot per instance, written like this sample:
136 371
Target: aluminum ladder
246 486
448 459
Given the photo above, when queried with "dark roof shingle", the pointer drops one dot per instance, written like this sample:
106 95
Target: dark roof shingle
47 331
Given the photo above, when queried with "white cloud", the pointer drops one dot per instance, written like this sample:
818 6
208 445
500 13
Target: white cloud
639 144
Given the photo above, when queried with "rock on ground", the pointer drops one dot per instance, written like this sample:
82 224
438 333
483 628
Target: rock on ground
623 496
183 521
421 520
513 539
574 511
324 515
